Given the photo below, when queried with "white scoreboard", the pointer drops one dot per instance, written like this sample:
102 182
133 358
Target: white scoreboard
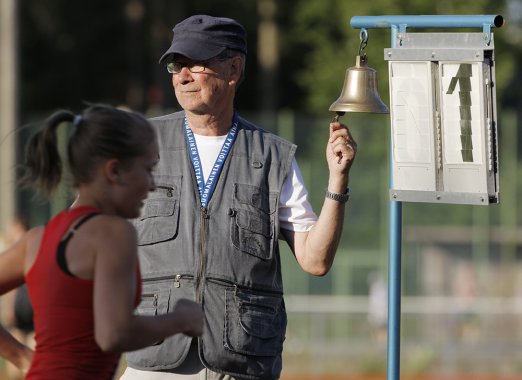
443 119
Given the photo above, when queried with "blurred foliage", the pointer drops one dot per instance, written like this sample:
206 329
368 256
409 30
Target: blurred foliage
321 29
107 52
323 26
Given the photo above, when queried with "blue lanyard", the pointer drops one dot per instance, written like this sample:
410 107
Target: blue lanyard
206 189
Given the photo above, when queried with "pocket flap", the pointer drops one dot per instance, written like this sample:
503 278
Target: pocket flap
256 197
158 221
158 207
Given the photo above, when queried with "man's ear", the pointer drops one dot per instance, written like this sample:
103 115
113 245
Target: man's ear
112 171
236 69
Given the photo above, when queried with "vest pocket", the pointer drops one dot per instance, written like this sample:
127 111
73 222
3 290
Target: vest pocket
159 216
252 233
252 220
154 301
254 324
159 296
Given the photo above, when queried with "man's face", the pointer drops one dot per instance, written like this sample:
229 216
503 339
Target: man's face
204 87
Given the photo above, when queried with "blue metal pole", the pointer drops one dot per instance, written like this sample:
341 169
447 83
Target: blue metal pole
398 24
393 358
426 21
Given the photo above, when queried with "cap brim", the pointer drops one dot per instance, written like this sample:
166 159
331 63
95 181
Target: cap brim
197 51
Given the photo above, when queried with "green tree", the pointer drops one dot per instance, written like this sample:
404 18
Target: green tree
322 29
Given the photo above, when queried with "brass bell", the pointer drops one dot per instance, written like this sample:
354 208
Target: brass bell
359 92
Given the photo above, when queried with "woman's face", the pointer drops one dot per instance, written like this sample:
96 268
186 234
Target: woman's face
136 183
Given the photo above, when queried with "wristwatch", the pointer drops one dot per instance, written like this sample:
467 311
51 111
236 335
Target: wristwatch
343 198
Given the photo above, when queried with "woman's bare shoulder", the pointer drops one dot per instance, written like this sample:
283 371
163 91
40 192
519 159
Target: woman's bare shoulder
110 228
113 223
31 239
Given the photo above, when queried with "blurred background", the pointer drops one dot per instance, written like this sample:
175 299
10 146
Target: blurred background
461 265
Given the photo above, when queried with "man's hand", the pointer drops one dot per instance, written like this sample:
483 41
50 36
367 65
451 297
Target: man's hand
341 149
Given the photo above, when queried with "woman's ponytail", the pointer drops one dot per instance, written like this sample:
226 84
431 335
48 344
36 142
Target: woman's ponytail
43 165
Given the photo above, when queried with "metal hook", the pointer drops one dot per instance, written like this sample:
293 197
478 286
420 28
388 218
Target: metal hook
363 36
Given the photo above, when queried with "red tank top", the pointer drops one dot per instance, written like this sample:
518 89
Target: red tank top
63 313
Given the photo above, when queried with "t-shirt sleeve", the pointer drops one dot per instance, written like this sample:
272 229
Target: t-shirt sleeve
295 211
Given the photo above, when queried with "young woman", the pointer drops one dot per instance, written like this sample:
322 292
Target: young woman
82 268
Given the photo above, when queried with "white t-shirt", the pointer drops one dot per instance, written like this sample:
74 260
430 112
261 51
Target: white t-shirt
295 211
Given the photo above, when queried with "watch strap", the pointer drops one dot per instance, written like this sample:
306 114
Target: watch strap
343 198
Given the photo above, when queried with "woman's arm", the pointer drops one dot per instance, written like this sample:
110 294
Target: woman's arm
14 351
117 328
12 274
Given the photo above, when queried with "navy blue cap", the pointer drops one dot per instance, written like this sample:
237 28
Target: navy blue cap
202 37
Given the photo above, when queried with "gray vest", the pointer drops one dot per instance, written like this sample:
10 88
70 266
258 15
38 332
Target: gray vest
226 257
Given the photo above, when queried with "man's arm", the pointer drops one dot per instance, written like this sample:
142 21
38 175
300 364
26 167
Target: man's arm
315 250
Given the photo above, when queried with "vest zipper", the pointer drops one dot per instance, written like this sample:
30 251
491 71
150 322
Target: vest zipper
199 278
227 283
176 281
153 297
176 278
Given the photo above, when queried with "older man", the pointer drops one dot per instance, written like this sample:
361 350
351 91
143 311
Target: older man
226 190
